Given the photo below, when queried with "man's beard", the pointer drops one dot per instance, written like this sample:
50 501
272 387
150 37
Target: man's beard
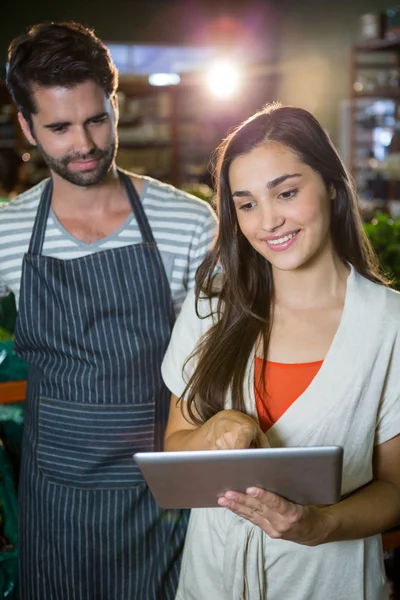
94 176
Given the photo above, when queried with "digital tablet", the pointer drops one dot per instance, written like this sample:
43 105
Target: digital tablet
196 479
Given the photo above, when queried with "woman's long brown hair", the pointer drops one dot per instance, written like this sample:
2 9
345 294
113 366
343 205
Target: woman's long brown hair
243 304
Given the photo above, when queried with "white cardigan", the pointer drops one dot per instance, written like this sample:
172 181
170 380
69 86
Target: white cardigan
354 402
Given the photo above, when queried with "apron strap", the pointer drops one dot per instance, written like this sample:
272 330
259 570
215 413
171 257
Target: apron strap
39 227
137 208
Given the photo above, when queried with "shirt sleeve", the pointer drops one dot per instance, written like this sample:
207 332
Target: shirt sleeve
188 330
3 289
202 241
388 423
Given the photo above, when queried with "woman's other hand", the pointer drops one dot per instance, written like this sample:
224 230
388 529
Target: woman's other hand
280 518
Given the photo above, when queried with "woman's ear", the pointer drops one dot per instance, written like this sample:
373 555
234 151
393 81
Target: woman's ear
332 191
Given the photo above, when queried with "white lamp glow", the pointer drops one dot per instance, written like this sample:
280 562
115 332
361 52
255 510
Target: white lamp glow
223 79
160 79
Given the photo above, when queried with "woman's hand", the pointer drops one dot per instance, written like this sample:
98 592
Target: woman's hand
227 429
231 429
279 518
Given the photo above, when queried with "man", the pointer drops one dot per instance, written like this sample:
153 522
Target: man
100 261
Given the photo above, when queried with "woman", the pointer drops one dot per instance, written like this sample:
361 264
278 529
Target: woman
296 342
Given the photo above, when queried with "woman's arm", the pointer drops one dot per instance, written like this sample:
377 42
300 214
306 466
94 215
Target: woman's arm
368 511
374 508
226 430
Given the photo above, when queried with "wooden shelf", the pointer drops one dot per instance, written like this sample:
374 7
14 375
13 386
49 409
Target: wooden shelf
361 59
375 66
12 391
390 45
143 145
8 143
383 93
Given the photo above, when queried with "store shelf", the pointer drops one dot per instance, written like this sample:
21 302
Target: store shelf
382 45
12 391
143 145
373 66
391 93
374 113
161 129
8 143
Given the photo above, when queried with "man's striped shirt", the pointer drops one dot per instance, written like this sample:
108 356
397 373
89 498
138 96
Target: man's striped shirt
183 228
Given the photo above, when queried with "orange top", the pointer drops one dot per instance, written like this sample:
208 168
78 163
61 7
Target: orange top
284 384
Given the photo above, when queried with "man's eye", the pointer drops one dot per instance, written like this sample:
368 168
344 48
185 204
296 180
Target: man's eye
99 121
59 129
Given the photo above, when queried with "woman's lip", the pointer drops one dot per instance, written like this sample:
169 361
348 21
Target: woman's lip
284 245
280 235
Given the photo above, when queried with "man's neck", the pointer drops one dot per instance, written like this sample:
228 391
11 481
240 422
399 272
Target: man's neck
70 199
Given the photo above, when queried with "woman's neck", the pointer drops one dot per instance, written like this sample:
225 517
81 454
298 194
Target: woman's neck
319 283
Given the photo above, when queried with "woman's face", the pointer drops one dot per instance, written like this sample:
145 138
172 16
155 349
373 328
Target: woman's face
282 206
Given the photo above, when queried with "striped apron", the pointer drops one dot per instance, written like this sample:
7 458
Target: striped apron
94 331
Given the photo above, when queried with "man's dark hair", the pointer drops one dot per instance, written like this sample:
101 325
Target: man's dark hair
57 54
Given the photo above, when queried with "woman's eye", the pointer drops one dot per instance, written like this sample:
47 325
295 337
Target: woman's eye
247 206
289 194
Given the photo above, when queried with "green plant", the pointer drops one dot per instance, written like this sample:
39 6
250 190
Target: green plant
384 234
201 190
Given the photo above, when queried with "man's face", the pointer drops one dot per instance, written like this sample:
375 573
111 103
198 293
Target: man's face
74 130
